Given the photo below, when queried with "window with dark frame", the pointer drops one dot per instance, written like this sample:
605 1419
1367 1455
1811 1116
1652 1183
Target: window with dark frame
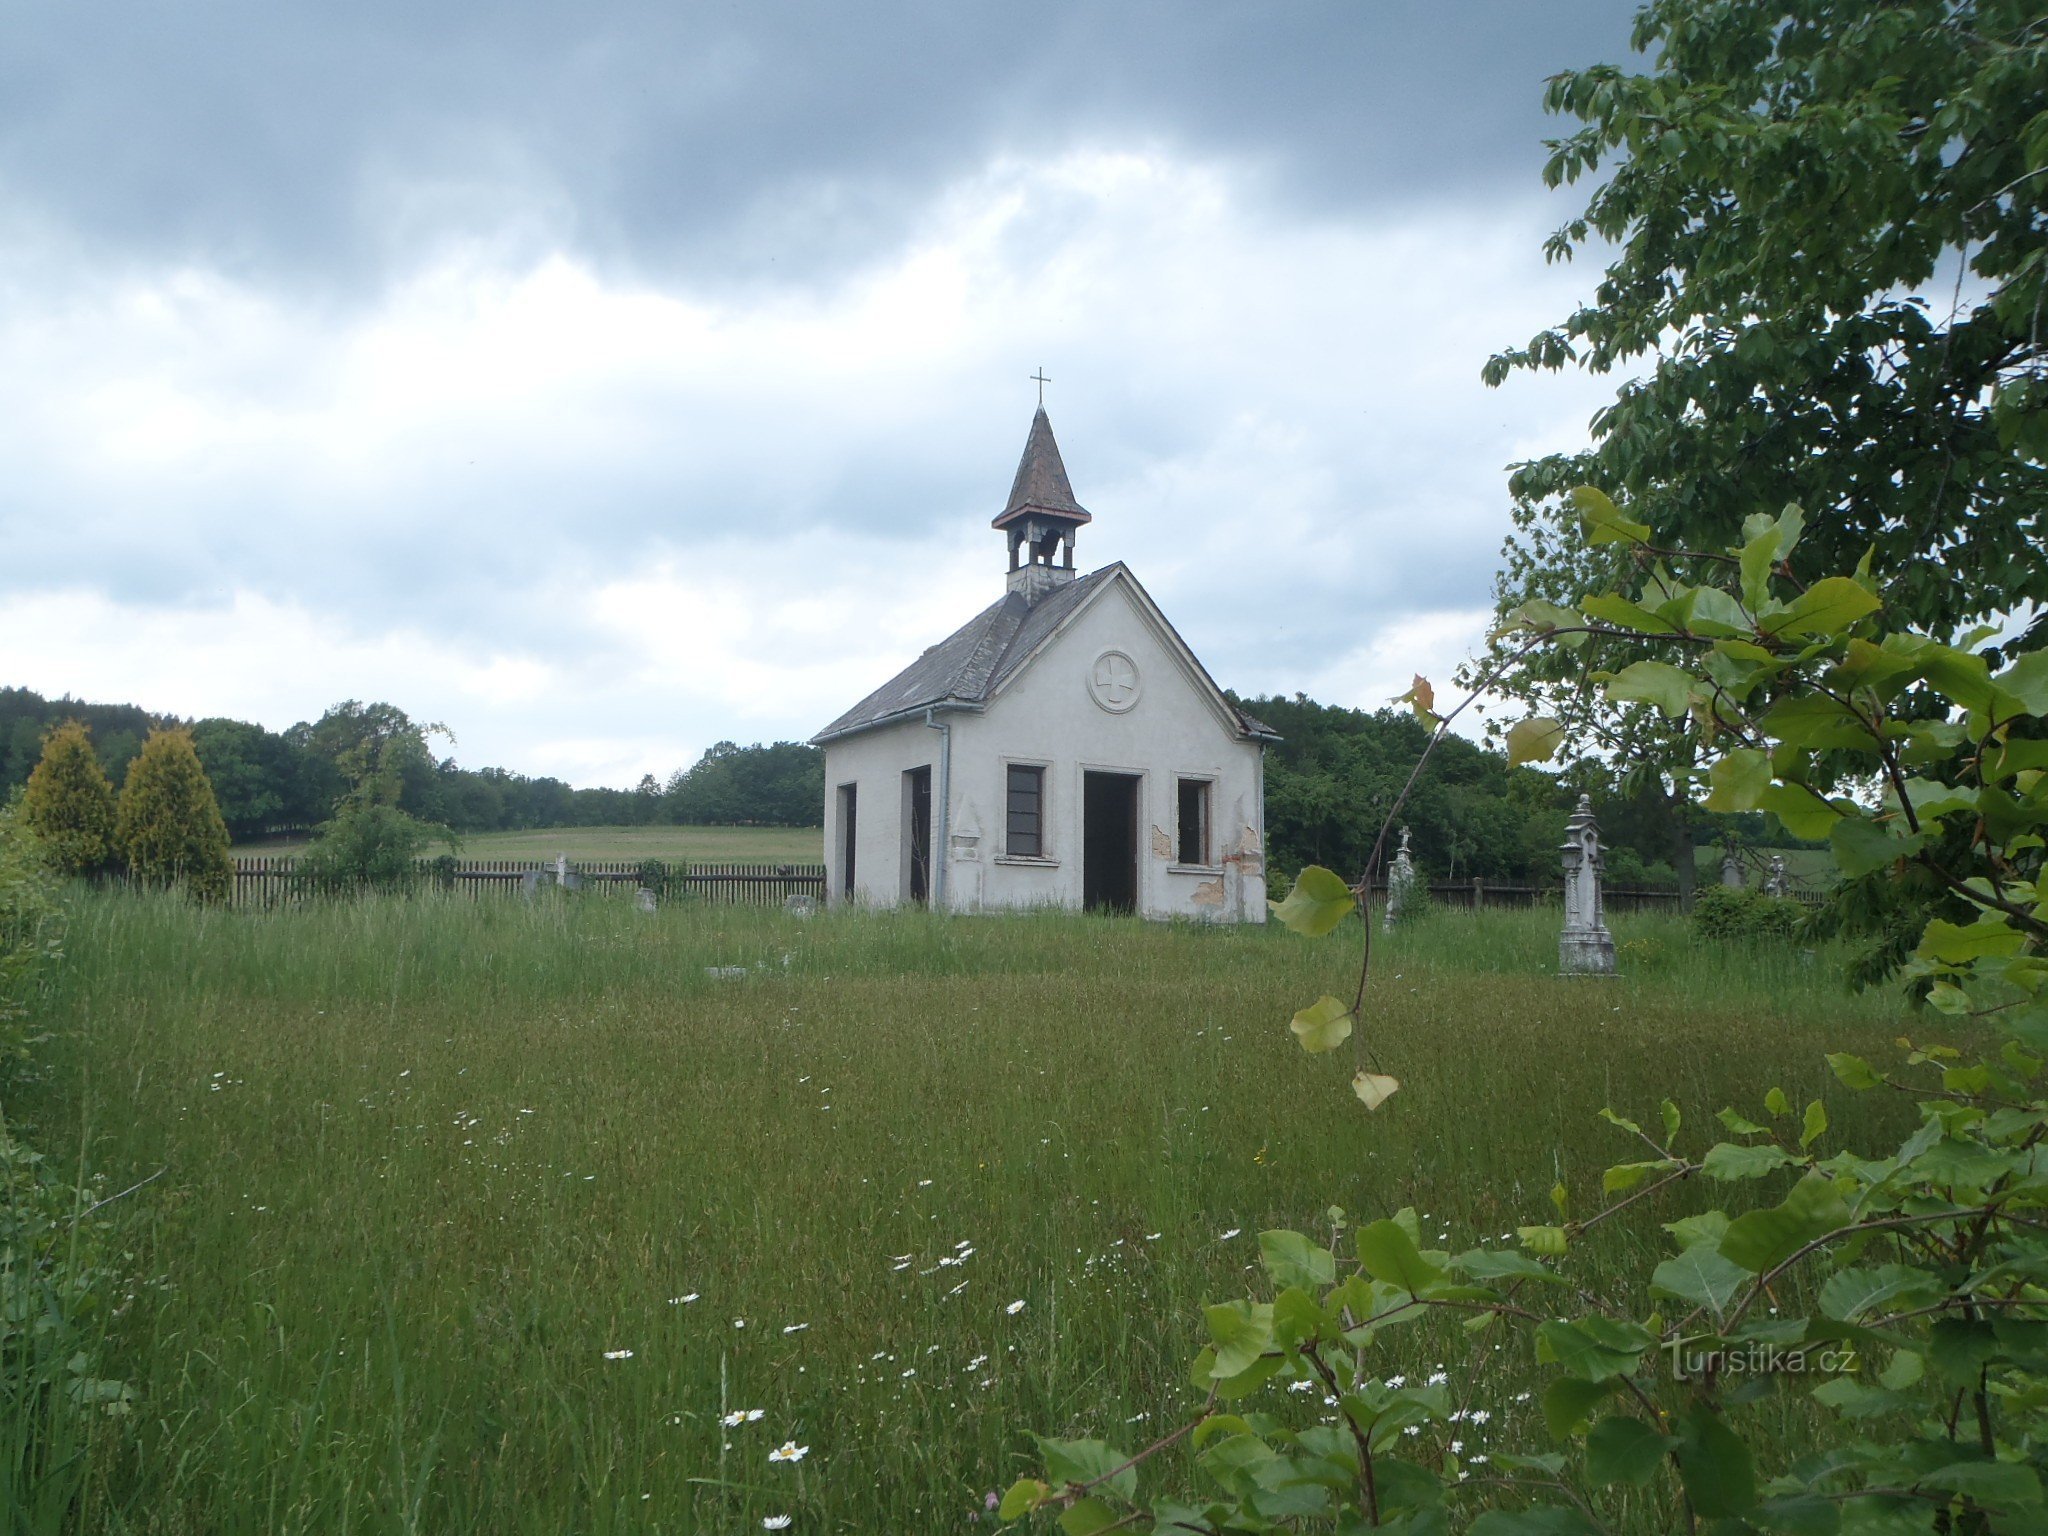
1194 821
1024 823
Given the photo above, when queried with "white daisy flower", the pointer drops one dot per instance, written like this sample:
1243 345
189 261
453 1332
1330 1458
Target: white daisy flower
1015 1307
682 1301
775 1522
618 1354
789 1450
1227 1236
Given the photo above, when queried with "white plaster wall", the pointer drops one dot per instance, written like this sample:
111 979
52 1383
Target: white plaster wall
876 761
1048 716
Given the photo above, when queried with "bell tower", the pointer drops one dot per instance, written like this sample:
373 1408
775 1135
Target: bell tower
1042 516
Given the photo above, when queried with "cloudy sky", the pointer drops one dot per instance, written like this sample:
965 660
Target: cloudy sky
607 380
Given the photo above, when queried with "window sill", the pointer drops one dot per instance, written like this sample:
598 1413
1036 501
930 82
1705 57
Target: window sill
1025 861
1210 870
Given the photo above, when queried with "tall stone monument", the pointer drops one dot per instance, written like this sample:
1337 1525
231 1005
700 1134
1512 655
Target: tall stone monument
1779 881
1731 870
1585 948
1400 883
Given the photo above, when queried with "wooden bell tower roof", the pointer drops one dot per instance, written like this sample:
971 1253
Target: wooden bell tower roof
1041 488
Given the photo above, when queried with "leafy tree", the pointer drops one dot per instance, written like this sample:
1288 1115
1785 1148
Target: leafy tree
369 845
1833 229
781 785
69 803
169 828
255 775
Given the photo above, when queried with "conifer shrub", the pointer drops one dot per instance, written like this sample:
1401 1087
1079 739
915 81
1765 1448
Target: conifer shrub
169 828
69 804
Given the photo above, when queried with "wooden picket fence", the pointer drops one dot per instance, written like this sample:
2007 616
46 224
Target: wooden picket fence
267 881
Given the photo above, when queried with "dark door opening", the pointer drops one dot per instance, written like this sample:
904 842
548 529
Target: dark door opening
849 807
917 833
1109 841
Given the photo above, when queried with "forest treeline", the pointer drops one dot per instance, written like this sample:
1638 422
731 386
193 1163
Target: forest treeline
1327 786
1329 783
270 782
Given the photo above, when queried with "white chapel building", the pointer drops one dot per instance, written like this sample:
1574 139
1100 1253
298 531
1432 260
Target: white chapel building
1062 748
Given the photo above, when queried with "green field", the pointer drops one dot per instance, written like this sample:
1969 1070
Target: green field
706 845
429 1164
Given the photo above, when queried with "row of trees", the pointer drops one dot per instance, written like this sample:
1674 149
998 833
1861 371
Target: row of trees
275 781
1329 783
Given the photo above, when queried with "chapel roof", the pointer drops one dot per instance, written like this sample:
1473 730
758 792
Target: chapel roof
969 665
1041 485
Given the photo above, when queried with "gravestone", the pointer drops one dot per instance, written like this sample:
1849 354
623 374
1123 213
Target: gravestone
1400 882
645 899
1731 870
1585 948
1778 882
800 906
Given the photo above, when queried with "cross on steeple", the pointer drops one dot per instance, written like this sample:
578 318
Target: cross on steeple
1042 382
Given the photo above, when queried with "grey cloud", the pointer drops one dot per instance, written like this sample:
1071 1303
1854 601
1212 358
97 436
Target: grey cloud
729 143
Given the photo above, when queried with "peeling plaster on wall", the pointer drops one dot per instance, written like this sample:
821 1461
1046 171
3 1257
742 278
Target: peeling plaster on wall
1209 893
1162 845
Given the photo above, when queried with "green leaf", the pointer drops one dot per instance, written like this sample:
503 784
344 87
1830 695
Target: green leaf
1243 1332
1813 1126
1669 1112
1738 780
1319 901
1622 1449
1801 812
1960 944
1828 607
1759 1241
1087 1517
1739 1125
1025 1495
1799 1514
1626 1176
1852 1071
1374 1088
1569 1399
1389 1254
1534 740
2026 681
1653 682
1728 1162
1592 1348
1603 520
1605 608
2000 1484
1547 1241
1702 1276
1714 1465
1490 1264
1087 1461
1861 845
1323 1025
1776 1102
1851 1294
1292 1259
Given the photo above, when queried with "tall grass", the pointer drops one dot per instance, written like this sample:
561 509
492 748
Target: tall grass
430 1163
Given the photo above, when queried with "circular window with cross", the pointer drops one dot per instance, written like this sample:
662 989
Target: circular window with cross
1113 681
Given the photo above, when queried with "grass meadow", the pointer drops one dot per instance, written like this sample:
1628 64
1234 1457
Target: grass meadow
705 845
478 1217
